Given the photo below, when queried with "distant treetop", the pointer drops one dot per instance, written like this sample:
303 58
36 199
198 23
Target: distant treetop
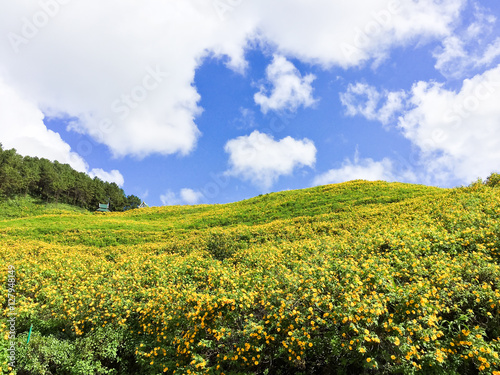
59 183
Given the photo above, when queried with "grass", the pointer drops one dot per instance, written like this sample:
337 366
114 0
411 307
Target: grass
359 277
21 207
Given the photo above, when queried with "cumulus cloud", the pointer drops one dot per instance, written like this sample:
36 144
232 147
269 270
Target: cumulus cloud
125 70
185 196
22 128
367 101
365 169
349 33
191 196
170 198
113 176
260 159
469 48
358 169
289 89
457 132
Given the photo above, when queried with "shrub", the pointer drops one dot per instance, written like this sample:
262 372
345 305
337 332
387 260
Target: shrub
221 246
493 180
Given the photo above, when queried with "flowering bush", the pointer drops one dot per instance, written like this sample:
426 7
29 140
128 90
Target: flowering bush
405 280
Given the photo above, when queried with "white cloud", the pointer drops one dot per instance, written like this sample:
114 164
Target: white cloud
348 33
246 120
490 54
451 54
365 100
113 176
458 133
289 89
22 128
170 199
359 169
470 48
106 62
185 196
262 160
190 196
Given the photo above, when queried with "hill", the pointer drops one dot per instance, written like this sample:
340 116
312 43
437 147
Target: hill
53 182
359 277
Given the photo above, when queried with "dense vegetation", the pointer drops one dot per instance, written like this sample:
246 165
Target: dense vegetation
359 277
56 182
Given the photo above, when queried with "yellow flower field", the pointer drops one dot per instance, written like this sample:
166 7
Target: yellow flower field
360 277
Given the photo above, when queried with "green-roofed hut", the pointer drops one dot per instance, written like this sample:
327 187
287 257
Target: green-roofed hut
103 207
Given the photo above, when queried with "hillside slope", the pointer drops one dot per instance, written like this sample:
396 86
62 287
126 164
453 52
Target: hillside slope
63 224
348 278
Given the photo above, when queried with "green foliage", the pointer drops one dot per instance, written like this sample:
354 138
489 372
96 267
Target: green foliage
99 352
354 278
19 207
493 180
57 183
221 246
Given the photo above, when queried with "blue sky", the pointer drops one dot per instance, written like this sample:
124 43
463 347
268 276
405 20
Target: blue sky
214 101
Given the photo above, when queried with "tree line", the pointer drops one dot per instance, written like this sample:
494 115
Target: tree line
55 182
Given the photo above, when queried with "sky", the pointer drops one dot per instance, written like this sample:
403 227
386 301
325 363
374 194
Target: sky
216 101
